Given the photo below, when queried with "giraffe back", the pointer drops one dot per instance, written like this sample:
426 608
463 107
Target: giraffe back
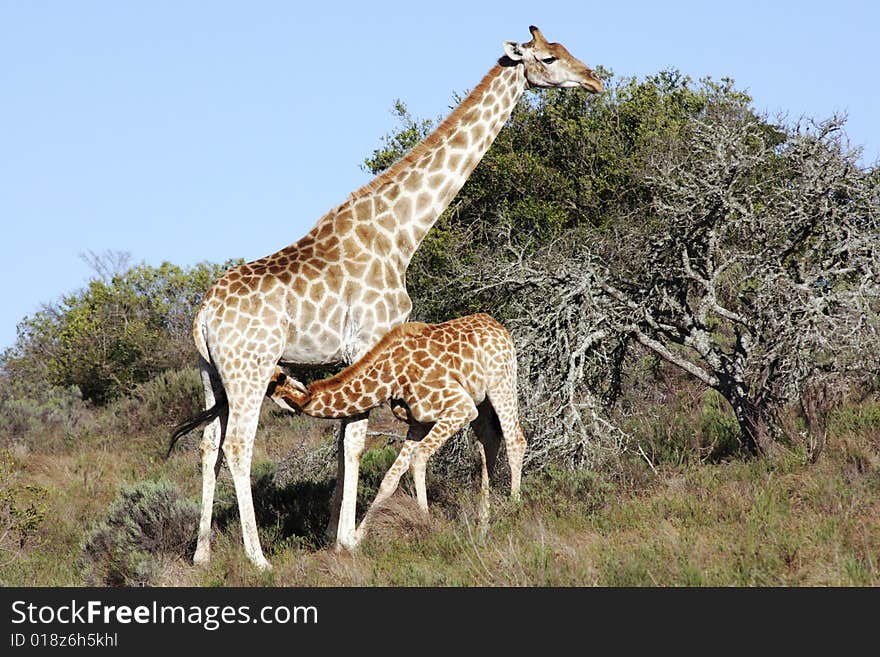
423 366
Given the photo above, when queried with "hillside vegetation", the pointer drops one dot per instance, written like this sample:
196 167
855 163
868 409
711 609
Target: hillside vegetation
693 289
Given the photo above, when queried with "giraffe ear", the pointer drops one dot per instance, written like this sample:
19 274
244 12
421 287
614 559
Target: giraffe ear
299 386
512 50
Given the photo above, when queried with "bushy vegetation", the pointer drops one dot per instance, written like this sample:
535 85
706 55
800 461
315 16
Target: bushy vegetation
667 217
688 282
48 409
22 511
156 403
128 325
148 522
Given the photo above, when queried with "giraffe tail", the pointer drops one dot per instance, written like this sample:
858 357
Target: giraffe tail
222 404
196 421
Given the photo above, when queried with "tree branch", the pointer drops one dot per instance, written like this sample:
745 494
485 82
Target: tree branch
660 349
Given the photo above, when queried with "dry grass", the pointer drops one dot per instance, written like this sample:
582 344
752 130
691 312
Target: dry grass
732 523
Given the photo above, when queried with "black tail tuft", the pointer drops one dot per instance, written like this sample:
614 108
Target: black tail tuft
194 422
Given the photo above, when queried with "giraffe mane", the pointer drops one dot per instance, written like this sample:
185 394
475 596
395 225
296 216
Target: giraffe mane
368 359
429 142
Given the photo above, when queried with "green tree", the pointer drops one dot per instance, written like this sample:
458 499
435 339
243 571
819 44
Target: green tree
569 160
395 144
662 215
123 328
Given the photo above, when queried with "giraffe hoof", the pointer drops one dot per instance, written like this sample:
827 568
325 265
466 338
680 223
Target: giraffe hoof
263 565
346 545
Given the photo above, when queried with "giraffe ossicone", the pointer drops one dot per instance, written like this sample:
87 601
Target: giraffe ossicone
329 297
442 377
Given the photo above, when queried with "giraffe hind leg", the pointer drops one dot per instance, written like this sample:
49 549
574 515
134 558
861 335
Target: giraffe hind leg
244 380
504 402
244 413
212 440
488 432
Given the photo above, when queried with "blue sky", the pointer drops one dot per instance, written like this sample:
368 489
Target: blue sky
191 131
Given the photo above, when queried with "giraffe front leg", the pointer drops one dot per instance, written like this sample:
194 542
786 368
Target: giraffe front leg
417 432
411 450
437 436
353 434
458 409
389 484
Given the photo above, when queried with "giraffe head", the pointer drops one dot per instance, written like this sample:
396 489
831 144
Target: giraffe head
550 64
287 392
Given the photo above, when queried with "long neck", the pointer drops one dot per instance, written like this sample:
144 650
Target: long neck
356 389
416 190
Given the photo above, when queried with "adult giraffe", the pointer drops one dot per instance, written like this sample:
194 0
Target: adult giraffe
333 294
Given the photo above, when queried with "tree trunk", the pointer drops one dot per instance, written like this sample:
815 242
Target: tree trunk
814 402
750 416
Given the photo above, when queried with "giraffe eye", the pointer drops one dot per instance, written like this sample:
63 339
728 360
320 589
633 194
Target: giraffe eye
549 60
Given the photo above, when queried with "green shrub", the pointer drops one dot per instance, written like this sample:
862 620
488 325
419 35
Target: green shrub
43 410
148 523
679 431
857 419
162 402
169 398
288 512
126 326
374 464
718 433
22 511
559 490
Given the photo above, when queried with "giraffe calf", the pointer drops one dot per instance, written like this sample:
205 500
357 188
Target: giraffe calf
437 377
